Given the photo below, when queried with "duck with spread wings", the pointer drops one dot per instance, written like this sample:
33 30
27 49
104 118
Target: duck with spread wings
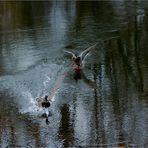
79 58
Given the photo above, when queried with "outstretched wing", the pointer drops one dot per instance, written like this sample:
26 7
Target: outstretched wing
73 55
84 53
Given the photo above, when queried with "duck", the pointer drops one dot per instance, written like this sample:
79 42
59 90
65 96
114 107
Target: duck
79 58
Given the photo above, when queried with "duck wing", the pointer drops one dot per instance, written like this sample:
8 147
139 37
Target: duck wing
69 52
84 53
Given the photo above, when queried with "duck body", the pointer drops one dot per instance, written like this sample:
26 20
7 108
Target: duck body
77 68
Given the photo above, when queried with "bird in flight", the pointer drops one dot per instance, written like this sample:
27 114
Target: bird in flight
79 58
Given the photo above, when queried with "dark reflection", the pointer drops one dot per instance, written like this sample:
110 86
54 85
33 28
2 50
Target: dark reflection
21 30
82 76
137 54
119 105
33 129
22 14
13 125
77 75
98 116
65 129
124 68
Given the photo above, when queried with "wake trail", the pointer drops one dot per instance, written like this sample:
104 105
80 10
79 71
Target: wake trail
57 86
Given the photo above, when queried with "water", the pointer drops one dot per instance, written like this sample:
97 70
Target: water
104 107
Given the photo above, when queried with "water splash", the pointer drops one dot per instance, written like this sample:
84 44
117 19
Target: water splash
26 87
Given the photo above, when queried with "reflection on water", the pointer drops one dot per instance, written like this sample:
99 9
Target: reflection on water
65 131
107 104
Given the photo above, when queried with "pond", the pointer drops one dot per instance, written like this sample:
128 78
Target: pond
106 105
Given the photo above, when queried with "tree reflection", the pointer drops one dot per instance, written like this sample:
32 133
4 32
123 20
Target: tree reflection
22 14
65 130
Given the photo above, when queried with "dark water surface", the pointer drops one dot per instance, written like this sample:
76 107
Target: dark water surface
107 106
